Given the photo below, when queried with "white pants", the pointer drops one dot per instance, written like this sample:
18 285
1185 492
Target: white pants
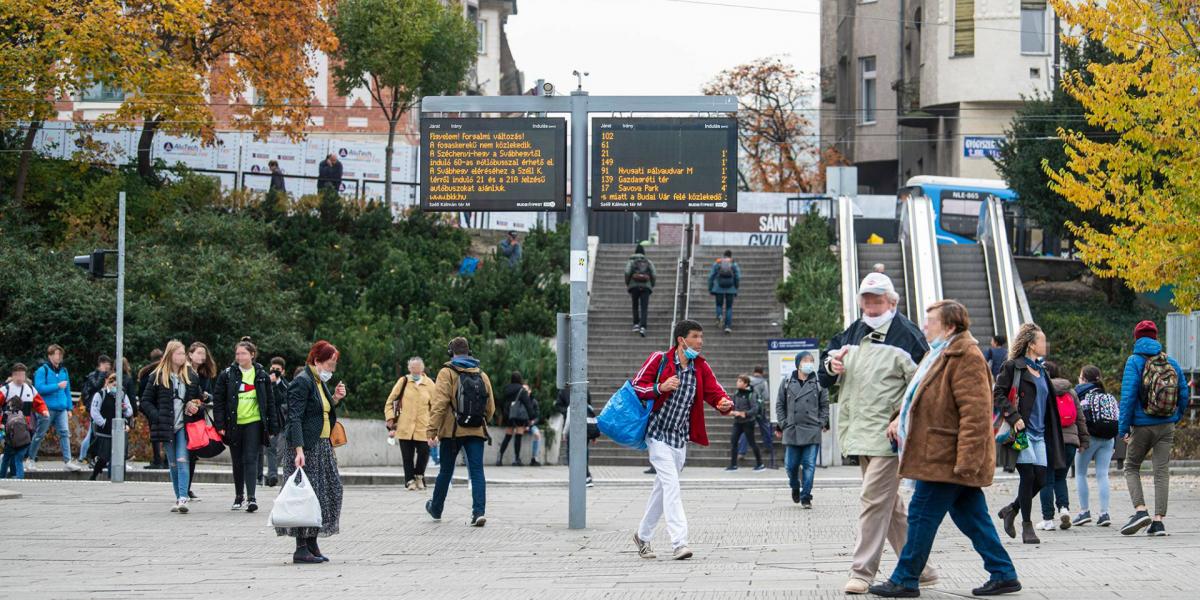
558 425
665 499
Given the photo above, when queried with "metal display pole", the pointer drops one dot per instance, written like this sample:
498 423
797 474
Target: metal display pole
117 463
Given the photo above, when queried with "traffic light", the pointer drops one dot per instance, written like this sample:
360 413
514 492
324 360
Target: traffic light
94 264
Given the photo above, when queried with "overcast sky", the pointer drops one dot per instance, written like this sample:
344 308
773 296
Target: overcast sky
645 47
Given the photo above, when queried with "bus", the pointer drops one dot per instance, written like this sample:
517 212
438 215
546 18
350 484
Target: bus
956 203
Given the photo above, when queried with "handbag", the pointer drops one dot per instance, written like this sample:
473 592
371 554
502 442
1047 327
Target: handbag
1000 427
203 440
297 504
625 416
337 435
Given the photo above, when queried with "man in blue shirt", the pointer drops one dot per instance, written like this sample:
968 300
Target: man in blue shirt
1144 431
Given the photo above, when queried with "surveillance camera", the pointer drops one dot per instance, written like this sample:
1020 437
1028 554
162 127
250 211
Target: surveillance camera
547 89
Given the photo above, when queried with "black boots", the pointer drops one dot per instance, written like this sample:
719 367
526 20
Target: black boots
304 553
311 543
1009 515
1028 535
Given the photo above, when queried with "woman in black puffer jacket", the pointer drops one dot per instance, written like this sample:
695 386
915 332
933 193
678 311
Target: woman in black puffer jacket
171 399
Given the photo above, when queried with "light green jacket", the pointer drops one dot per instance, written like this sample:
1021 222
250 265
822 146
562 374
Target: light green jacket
871 390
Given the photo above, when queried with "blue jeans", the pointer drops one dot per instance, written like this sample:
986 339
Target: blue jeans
472 447
1102 452
796 458
1054 493
536 445
435 455
59 419
12 464
85 444
968 509
725 306
177 461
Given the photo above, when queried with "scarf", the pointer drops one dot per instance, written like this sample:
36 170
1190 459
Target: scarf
910 393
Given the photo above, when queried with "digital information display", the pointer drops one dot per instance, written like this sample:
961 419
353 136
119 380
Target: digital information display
493 164
664 164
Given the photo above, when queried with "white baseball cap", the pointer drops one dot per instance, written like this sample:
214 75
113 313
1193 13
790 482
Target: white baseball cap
876 283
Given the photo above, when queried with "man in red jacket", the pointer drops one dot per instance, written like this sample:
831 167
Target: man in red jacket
679 382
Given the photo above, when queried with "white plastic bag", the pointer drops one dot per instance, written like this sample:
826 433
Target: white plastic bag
297 504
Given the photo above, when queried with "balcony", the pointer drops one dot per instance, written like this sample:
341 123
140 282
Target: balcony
908 103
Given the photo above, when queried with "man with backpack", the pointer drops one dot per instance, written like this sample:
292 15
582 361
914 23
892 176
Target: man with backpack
1153 397
460 409
723 283
92 384
640 278
18 400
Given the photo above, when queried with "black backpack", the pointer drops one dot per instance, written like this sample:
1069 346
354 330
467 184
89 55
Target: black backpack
16 429
725 275
470 402
641 270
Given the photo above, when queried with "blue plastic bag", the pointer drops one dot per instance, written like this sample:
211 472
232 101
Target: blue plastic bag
625 417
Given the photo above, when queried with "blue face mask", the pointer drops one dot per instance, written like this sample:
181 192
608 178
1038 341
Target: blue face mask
808 368
416 378
689 353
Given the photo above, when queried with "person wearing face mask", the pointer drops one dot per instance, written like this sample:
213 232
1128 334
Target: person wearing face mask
103 409
944 434
678 382
802 413
406 414
312 413
1023 397
873 360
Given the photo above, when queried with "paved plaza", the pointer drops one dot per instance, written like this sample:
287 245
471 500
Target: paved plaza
75 539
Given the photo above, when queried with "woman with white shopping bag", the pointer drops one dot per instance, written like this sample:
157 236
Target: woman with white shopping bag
311 418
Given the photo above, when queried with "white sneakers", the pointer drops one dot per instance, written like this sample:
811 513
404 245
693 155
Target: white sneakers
857 586
30 464
1047 525
72 466
181 506
643 548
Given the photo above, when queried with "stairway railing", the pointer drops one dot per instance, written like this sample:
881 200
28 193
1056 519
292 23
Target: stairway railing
848 252
922 263
1010 308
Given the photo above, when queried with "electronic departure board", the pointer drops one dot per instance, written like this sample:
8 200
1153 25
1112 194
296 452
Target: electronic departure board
664 164
493 164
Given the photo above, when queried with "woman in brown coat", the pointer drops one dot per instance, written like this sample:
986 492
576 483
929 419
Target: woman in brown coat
944 435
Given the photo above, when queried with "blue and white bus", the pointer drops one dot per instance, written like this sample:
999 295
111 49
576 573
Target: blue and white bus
956 203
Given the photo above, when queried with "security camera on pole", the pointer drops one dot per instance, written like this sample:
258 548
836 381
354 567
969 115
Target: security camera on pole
94 264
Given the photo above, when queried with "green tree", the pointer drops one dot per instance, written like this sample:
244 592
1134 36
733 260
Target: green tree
1032 140
812 290
401 50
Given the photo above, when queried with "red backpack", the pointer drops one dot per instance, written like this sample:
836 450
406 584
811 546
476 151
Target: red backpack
1066 409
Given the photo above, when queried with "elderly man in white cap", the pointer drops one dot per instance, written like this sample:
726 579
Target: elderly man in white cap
873 360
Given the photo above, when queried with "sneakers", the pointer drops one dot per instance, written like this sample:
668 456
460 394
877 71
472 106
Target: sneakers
1064 518
183 506
30 464
429 509
518 463
642 331
890 589
193 497
411 486
589 483
1136 523
420 482
857 586
237 504
252 506
760 468
731 468
795 495
478 520
1103 521
1008 514
1157 529
272 481
1084 518
1046 525
637 328
643 548
72 466
534 463
175 507
806 504
650 471
728 330
995 588
682 553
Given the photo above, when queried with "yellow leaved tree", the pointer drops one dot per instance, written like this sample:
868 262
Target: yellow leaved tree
183 60
1146 177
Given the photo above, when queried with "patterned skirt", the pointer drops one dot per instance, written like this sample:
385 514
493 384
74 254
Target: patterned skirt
320 465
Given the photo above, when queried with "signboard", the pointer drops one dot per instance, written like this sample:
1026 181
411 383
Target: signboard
493 164
982 146
746 229
664 164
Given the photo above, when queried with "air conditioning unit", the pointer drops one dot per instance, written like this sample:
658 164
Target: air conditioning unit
1183 339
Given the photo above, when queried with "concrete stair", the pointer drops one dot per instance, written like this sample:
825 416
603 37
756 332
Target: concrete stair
615 352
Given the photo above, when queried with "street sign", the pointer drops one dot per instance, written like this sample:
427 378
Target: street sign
493 164
664 164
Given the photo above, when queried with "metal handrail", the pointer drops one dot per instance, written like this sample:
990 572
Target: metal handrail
1014 308
849 258
918 236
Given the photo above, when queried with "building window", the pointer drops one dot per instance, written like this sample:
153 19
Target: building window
866 80
482 37
1033 26
964 27
101 93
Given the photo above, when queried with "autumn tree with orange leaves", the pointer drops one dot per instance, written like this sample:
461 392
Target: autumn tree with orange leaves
776 139
180 58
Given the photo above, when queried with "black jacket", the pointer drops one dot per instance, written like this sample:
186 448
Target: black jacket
225 402
516 391
329 175
277 184
1026 397
279 392
158 404
304 410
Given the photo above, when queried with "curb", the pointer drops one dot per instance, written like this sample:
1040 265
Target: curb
9 495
